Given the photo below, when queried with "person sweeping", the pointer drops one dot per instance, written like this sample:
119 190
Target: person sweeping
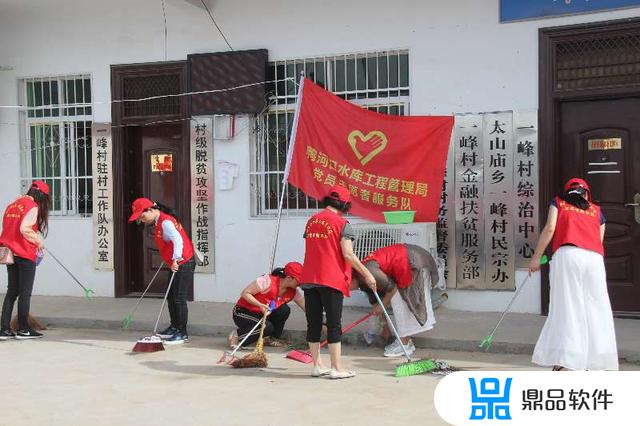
22 220
177 252
280 287
398 270
326 277
579 331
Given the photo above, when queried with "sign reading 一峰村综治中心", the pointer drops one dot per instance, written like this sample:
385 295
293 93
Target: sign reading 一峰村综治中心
517 10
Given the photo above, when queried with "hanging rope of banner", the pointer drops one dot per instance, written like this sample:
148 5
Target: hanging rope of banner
149 98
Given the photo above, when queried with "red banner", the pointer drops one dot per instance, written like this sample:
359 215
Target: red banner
387 162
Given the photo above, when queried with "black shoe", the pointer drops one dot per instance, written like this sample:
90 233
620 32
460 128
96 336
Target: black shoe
177 339
28 334
7 334
168 332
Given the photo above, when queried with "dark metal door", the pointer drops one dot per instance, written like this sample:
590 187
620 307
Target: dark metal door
600 141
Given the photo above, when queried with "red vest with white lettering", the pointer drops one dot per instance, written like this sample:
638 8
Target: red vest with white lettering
578 227
166 247
270 295
394 262
323 260
11 236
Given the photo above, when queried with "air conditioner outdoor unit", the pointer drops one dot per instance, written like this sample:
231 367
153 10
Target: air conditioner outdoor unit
370 237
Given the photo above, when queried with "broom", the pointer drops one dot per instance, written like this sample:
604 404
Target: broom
488 340
409 368
127 320
257 358
154 343
305 356
87 291
231 355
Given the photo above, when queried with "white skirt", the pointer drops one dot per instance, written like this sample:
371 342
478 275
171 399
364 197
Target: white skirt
405 321
579 333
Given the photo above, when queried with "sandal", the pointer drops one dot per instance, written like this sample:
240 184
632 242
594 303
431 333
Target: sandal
320 371
346 374
274 342
559 368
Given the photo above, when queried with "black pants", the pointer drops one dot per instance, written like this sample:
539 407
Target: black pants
317 300
245 320
21 275
177 299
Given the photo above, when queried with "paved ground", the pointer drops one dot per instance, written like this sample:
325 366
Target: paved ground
455 330
80 377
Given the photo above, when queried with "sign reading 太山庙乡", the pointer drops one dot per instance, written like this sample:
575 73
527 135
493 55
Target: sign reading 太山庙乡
516 10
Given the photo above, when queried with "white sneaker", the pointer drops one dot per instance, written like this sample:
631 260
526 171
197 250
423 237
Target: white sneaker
391 346
320 371
398 352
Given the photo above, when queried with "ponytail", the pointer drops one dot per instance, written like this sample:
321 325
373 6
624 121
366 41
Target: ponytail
44 204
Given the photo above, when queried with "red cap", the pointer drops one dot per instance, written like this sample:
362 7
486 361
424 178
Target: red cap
138 206
41 186
339 193
578 182
293 270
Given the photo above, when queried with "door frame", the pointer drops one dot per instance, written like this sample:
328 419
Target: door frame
549 100
123 259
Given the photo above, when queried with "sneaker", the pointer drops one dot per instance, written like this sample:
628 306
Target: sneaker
392 346
168 332
398 352
28 334
7 334
177 339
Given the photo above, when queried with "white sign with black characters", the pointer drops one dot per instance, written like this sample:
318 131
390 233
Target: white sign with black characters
488 221
202 188
102 196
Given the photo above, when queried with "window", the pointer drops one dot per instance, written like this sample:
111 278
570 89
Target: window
378 81
56 141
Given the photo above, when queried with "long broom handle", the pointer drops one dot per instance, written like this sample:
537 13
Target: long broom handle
349 327
146 289
513 299
239 345
393 327
155 327
65 268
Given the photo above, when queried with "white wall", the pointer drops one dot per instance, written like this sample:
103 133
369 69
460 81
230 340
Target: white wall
462 60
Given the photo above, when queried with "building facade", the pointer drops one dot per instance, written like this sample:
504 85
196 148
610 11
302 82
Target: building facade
66 66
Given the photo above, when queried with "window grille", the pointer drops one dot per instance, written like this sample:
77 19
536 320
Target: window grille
56 140
598 62
378 81
149 86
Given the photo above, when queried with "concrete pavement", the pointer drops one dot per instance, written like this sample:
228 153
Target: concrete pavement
455 330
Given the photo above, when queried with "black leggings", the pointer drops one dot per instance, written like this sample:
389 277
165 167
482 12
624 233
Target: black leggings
317 300
21 276
177 299
245 320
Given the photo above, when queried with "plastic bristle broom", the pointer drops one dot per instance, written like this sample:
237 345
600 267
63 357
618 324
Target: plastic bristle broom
416 367
488 340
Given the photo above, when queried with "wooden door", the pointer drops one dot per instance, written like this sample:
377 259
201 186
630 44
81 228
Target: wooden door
600 141
155 156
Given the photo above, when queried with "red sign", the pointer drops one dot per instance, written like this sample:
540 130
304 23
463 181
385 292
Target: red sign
387 162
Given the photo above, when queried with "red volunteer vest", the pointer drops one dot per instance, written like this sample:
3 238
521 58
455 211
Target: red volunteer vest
578 227
323 260
166 247
267 297
11 236
394 262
